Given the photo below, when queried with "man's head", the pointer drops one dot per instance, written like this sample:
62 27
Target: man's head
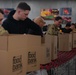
58 21
1 16
39 21
23 10
68 25
72 26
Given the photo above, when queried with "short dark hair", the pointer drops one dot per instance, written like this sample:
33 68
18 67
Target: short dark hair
23 6
73 24
68 24
1 11
58 18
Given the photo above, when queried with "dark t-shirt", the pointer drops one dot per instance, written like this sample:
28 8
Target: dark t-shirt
66 30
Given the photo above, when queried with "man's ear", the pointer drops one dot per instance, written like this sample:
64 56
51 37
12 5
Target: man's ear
18 11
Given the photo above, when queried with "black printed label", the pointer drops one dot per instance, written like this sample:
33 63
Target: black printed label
47 52
32 58
17 63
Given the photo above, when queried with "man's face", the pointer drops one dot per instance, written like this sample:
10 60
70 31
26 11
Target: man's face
58 23
1 18
23 14
72 26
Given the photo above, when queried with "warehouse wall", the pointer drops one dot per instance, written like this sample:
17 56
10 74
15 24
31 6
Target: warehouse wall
37 5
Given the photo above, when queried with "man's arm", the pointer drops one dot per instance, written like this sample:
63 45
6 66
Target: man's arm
34 27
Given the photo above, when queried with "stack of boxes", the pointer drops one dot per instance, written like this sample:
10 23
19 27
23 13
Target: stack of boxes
24 53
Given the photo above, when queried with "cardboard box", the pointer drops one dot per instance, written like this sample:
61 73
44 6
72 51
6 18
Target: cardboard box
65 42
45 54
13 56
33 47
53 47
19 54
45 50
74 39
51 42
49 49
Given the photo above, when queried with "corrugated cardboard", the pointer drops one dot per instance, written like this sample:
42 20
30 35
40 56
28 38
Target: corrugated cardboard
45 54
33 47
74 39
45 50
19 54
65 42
49 49
12 55
53 47
52 43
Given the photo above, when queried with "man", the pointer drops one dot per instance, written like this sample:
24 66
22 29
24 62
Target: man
67 28
18 22
53 29
73 26
40 22
2 30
